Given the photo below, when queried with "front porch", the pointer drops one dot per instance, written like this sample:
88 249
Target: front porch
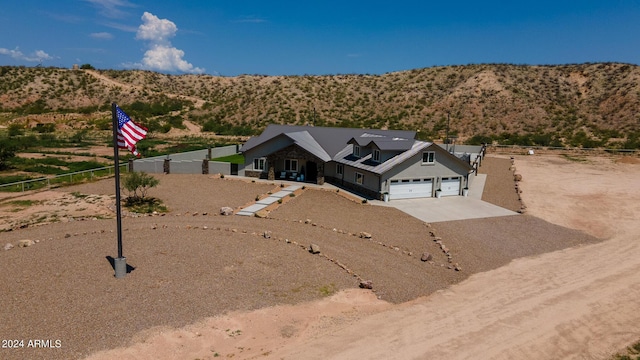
295 164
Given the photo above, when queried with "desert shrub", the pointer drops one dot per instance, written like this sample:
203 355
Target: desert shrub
138 184
479 140
15 130
7 152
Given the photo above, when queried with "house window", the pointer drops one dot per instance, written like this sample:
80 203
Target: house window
259 164
339 169
356 150
428 157
291 165
375 155
359 178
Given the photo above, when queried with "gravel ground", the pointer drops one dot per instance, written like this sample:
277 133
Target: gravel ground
193 263
499 188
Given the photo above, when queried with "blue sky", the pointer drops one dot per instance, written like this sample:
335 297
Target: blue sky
237 37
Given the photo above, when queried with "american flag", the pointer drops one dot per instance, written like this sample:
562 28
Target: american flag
129 133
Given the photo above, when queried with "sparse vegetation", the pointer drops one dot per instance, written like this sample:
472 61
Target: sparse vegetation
327 290
631 353
580 105
138 184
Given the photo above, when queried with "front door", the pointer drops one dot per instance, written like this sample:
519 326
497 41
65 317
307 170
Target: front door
311 171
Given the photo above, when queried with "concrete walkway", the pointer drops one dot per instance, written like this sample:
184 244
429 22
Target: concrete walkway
263 203
449 208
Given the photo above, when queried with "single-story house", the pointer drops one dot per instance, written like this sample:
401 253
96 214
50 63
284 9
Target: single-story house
371 162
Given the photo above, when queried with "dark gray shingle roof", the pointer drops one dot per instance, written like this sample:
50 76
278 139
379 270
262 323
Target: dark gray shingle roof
330 139
365 163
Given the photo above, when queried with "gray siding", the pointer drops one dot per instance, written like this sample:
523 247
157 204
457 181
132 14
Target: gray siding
371 181
263 150
444 166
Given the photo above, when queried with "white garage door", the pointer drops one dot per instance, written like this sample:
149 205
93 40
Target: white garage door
450 186
410 188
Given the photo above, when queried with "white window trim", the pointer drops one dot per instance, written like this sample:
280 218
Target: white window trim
361 176
433 157
291 162
339 169
373 155
258 160
356 150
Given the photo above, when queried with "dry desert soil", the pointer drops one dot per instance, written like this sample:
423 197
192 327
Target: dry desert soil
557 282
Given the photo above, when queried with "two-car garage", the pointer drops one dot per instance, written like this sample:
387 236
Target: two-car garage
422 188
410 188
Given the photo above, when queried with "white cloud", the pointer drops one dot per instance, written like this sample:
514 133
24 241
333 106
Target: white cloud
156 30
161 54
101 36
251 19
111 8
168 58
37 56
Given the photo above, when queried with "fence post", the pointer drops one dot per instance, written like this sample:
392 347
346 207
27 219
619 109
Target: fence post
205 166
167 166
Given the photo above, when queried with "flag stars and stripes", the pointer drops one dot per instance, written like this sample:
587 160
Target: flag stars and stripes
129 133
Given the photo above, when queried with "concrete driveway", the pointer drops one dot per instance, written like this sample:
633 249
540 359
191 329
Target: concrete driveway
450 208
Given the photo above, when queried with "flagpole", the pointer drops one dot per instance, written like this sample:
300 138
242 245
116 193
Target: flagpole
120 263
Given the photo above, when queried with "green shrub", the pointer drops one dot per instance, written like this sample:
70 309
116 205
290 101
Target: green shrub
138 184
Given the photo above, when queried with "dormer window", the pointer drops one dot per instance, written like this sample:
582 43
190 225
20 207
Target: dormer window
375 155
356 150
428 157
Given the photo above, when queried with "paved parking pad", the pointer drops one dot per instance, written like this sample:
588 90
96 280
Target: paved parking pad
450 208
447 208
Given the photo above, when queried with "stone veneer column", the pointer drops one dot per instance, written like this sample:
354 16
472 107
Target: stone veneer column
272 173
166 166
320 174
205 166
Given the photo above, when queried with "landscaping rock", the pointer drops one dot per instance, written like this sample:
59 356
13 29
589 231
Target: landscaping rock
314 249
262 214
426 257
225 210
25 243
365 235
8 246
517 177
267 234
367 284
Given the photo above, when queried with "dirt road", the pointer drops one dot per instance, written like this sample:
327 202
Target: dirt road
577 303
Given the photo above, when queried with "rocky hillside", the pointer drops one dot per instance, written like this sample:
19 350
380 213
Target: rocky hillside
589 105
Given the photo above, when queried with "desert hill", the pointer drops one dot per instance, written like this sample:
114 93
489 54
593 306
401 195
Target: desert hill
589 105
